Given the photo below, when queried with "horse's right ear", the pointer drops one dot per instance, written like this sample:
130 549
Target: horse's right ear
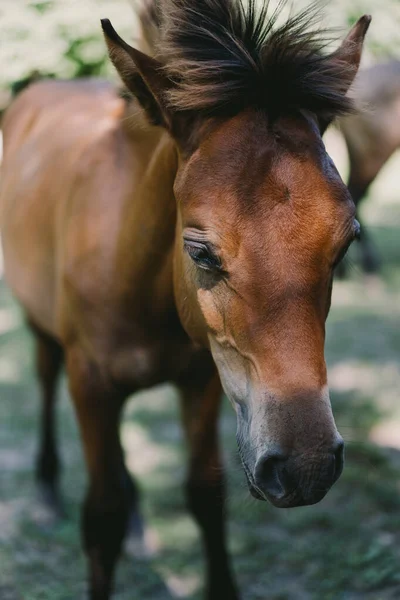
143 75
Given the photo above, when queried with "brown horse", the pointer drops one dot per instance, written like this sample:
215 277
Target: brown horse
372 135
189 234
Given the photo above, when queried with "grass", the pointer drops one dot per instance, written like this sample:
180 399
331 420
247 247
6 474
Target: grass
345 548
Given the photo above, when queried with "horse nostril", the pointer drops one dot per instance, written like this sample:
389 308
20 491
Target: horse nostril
270 474
306 478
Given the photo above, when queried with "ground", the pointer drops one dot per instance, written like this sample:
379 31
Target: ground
345 548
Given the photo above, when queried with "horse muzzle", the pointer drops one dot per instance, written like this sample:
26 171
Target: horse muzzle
290 481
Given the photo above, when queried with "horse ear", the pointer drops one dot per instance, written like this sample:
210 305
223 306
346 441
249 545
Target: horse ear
349 52
142 74
347 57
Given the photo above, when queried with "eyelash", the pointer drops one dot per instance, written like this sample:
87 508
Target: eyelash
208 262
357 236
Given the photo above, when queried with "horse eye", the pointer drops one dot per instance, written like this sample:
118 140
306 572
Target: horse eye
202 255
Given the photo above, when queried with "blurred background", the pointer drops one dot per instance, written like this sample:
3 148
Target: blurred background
346 547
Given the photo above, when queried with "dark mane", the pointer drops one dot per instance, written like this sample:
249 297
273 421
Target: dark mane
226 55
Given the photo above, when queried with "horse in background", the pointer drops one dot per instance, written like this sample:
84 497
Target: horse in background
372 135
189 234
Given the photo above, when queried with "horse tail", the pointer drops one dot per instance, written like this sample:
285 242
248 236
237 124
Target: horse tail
149 14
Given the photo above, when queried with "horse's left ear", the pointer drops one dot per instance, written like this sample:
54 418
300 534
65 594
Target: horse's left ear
143 75
349 52
347 57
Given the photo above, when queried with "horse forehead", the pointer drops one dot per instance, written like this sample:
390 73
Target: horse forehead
253 133
256 183
247 154
246 169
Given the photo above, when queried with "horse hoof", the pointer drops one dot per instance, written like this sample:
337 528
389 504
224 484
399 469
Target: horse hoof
230 594
225 589
50 508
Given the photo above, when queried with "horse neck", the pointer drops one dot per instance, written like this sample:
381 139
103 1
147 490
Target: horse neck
147 235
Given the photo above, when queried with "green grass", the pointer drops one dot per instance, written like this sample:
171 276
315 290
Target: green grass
345 548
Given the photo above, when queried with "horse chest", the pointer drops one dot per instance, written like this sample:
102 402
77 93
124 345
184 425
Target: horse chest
147 364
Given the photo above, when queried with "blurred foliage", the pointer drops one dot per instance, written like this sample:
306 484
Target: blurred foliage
59 38
63 38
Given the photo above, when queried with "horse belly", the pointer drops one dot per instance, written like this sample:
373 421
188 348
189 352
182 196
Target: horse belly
31 285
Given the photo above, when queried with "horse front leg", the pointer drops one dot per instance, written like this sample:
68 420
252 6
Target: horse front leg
111 494
205 487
